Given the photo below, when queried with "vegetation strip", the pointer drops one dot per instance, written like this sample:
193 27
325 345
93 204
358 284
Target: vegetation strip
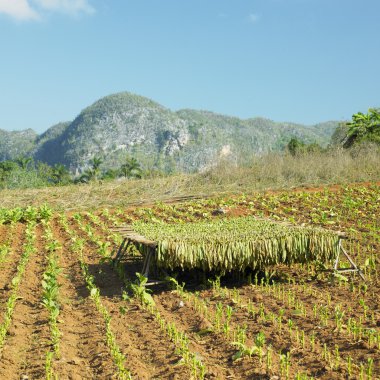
50 298
29 249
5 246
179 338
25 214
237 334
325 313
298 337
349 324
118 357
83 349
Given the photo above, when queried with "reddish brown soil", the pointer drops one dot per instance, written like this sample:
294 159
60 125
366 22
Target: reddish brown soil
84 353
8 267
304 360
3 233
149 352
360 223
187 200
23 352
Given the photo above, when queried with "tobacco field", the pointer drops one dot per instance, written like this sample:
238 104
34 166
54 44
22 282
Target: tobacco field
67 312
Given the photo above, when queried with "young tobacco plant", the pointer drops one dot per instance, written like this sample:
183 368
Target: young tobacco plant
77 247
28 250
256 349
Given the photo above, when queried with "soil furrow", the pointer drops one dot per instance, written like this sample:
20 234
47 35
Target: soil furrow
211 348
8 267
340 295
325 335
279 341
84 353
245 366
4 233
25 348
150 355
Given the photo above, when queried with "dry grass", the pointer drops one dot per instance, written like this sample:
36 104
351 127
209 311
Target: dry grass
273 171
276 171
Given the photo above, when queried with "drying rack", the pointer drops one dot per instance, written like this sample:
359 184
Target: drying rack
130 237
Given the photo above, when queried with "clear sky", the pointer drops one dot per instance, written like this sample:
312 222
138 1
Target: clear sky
305 61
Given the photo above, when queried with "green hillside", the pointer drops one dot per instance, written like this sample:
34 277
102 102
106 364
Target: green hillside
186 140
16 143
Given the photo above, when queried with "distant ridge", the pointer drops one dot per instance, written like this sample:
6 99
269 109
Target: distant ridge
16 143
186 140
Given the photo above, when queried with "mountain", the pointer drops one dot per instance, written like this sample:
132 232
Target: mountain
115 125
46 143
220 136
17 143
186 140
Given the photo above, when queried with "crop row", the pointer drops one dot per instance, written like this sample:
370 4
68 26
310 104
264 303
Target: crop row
28 250
117 355
25 214
178 337
50 297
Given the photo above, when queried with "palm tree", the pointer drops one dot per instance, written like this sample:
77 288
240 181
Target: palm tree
24 162
87 176
295 146
131 168
96 162
363 127
92 173
60 173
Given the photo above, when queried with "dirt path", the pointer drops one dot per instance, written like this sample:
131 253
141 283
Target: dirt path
8 267
25 348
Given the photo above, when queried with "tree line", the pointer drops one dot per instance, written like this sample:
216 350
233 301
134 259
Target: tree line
24 172
363 128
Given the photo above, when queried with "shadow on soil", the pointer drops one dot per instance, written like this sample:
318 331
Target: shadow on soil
111 285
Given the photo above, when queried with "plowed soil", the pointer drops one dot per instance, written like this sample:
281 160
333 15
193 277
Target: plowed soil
314 325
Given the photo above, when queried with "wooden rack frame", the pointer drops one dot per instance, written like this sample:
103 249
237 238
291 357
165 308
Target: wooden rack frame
353 268
131 237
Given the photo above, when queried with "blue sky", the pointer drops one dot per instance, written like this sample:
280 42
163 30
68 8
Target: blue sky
305 61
